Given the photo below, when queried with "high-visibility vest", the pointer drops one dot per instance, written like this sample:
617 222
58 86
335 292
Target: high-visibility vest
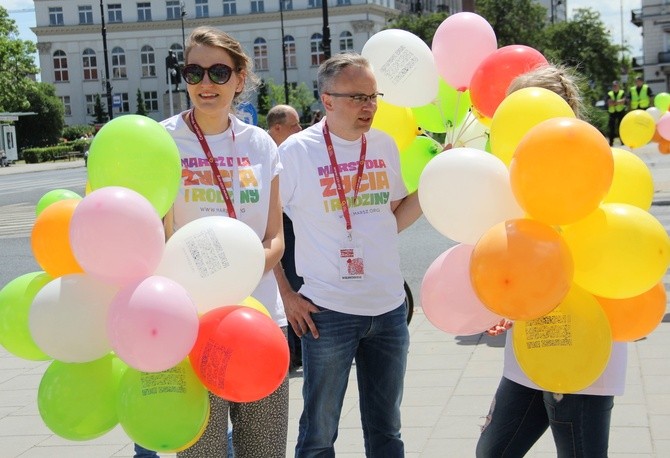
619 96
639 99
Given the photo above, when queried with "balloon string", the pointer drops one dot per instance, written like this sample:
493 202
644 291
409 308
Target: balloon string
453 130
465 125
444 119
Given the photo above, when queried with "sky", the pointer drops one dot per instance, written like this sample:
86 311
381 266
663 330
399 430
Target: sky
610 12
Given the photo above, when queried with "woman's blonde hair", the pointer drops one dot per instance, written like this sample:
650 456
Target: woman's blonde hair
210 36
555 78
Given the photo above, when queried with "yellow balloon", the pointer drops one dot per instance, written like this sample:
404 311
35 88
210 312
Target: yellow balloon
619 251
568 349
481 118
87 191
520 111
396 121
632 182
637 128
255 304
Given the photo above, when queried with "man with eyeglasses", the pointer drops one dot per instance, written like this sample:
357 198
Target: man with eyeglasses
342 188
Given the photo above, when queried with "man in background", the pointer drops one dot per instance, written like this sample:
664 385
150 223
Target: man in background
640 95
616 106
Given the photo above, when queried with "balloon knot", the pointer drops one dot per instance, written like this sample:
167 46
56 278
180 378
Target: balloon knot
447 147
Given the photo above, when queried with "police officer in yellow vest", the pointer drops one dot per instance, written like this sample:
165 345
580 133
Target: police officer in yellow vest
640 95
616 106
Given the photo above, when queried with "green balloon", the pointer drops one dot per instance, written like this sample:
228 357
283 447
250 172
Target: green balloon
136 152
77 401
54 196
446 112
15 300
163 411
414 158
662 101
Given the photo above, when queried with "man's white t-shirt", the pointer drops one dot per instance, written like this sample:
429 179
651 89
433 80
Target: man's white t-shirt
310 199
253 155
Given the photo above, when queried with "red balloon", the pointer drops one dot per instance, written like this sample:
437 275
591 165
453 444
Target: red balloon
240 355
494 74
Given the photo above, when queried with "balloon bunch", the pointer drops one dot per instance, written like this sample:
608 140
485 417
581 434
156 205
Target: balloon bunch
552 223
117 308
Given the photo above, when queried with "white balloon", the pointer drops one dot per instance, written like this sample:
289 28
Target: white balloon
655 113
217 259
404 67
465 191
67 318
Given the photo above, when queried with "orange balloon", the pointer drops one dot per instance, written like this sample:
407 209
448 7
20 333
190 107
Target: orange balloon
664 146
561 170
521 269
50 239
635 317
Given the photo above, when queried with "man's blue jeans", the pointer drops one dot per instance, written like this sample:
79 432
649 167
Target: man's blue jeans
379 346
580 423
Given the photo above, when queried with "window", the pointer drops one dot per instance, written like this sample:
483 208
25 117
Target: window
201 8
86 14
151 100
288 4
346 41
316 46
289 46
67 108
56 15
315 89
125 106
144 12
90 64
178 51
343 2
257 6
260 54
314 3
114 13
173 9
60 66
229 8
119 63
90 104
148 61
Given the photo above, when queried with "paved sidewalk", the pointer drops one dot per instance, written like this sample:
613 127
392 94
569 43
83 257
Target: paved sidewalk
21 167
449 384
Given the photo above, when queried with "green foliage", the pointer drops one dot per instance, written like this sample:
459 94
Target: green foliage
423 26
300 97
71 133
99 110
16 66
44 128
141 107
515 22
263 102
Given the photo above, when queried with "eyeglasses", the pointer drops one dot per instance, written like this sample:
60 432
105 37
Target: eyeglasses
218 73
358 99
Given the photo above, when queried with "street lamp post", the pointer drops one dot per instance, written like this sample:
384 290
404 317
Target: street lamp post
183 45
326 30
110 111
283 49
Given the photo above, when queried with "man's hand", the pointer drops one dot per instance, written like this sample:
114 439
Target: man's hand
299 314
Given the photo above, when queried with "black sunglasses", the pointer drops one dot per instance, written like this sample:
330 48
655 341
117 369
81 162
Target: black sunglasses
218 73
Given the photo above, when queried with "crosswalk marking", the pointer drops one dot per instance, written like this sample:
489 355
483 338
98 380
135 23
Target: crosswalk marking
16 220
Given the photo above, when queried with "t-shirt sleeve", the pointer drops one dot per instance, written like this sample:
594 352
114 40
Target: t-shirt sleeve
287 179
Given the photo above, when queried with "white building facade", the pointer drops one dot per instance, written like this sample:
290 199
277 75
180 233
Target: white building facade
140 34
654 18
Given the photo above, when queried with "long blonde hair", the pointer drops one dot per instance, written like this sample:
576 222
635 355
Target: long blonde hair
555 78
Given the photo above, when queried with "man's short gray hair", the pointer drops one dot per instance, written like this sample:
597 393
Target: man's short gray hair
331 68
278 114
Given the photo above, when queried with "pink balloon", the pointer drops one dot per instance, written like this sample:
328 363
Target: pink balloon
116 235
663 126
460 44
448 299
152 324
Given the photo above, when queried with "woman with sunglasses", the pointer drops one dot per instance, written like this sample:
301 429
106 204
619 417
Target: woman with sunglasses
241 183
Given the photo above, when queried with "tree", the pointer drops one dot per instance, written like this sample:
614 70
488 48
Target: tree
16 65
585 43
99 110
300 97
515 22
141 107
421 25
46 127
263 102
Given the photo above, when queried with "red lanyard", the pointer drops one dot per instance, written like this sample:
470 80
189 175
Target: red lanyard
212 162
338 177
